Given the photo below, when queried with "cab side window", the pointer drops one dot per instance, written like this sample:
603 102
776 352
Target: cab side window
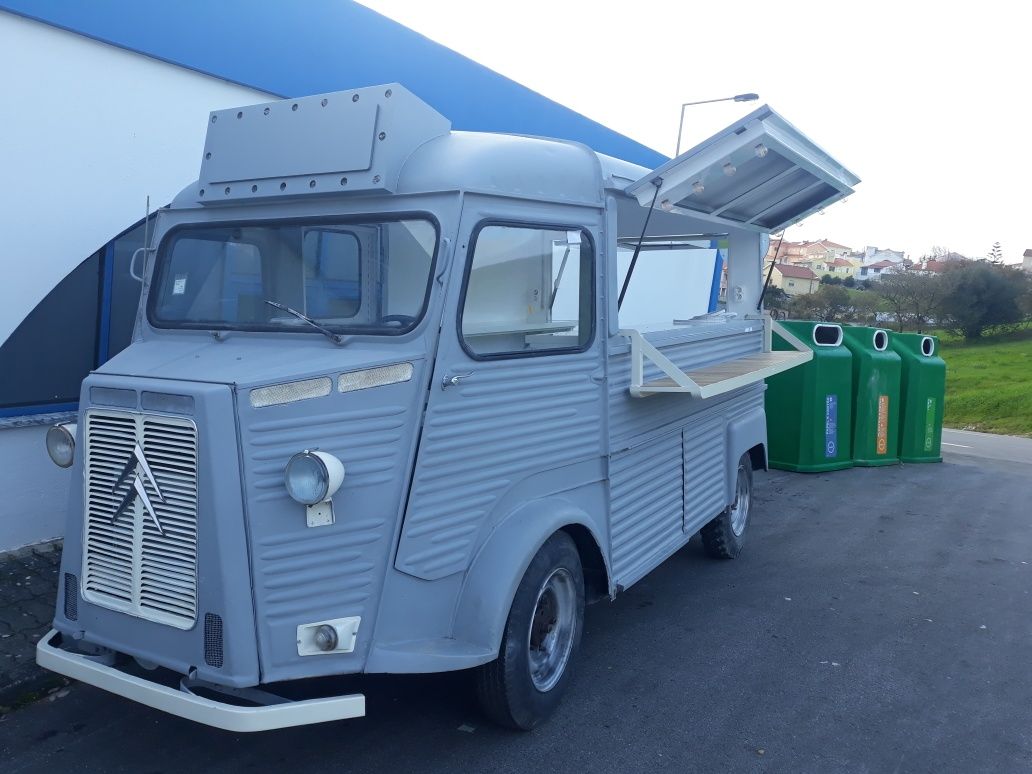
529 291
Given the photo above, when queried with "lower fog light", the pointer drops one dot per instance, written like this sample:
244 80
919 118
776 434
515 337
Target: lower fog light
328 638
325 637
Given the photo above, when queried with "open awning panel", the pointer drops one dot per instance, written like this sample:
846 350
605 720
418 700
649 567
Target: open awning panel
760 173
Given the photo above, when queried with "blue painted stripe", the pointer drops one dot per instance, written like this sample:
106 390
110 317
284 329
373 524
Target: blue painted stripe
718 270
43 408
298 48
107 283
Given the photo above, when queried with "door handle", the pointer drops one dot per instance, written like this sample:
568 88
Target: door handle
453 380
132 263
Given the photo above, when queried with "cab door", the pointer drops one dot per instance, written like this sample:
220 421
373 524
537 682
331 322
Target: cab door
516 404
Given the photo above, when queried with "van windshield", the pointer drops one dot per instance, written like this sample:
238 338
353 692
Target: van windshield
350 277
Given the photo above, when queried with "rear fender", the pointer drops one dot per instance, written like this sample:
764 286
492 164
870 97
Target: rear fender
744 434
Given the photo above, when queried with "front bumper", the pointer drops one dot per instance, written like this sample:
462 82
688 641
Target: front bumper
229 717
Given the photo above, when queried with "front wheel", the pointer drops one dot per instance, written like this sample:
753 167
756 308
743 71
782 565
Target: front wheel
724 537
525 684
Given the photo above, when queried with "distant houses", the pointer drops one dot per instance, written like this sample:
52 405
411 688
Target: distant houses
932 266
824 257
794 279
842 268
940 262
799 267
822 250
875 271
873 255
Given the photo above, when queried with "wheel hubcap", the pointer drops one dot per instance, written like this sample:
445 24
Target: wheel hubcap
550 639
740 507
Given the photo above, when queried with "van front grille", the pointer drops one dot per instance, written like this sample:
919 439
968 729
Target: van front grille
140 536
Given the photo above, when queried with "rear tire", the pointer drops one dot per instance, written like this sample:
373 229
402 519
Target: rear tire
524 685
724 537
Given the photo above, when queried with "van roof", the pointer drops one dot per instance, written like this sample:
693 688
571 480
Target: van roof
380 140
540 168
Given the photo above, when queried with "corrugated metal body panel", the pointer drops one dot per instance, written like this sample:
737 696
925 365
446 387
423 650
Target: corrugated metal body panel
509 419
304 574
297 559
705 458
744 401
632 418
646 506
668 463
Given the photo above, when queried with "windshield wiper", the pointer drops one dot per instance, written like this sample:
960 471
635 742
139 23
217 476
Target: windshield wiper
335 338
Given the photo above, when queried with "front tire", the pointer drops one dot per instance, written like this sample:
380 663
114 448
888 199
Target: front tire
524 685
724 537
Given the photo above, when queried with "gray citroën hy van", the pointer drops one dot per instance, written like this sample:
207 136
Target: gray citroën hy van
381 413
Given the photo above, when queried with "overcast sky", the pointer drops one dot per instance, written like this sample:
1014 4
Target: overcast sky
929 103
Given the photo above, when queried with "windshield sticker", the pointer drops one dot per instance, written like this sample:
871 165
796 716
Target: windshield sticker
179 286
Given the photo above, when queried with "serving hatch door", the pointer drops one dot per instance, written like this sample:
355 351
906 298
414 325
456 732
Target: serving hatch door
760 173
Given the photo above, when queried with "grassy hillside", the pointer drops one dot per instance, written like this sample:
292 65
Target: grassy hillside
989 384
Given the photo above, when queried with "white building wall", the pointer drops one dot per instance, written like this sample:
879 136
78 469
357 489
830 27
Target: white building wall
35 490
88 131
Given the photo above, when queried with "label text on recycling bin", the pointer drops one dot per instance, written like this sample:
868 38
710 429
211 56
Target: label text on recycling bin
883 424
929 424
830 425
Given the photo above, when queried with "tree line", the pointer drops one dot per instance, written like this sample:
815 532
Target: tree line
969 299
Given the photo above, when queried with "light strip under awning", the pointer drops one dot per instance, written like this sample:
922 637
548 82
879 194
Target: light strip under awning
760 173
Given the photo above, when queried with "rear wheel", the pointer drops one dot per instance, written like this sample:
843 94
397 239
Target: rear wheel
525 684
724 537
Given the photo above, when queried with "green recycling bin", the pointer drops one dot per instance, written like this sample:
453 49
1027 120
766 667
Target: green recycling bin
810 407
876 382
922 392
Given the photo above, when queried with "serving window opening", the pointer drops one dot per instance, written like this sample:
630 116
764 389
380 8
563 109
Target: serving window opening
676 278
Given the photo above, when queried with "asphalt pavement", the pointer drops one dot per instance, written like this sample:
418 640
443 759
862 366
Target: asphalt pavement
987 445
879 620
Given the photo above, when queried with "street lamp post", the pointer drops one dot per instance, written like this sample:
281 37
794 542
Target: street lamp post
737 98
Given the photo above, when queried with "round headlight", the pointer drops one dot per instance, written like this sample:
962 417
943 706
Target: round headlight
308 480
61 444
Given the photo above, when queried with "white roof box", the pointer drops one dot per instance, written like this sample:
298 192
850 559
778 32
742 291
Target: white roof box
760 173
346 141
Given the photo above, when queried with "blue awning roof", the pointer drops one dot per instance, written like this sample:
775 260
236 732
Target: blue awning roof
292 49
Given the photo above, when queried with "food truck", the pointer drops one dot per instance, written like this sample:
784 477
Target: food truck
387 408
